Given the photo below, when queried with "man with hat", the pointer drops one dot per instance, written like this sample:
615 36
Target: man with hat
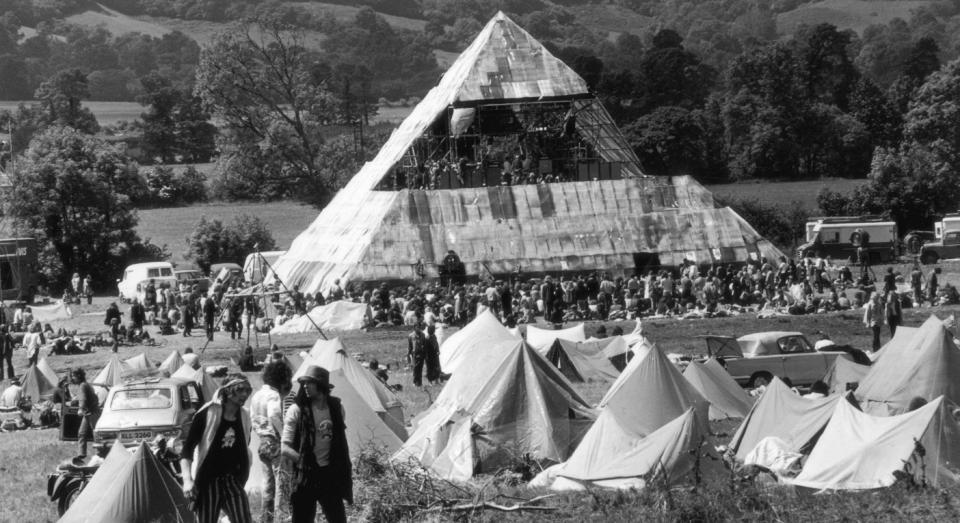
215 461
315 441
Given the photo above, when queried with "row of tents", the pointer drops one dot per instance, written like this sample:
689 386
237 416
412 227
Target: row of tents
653 423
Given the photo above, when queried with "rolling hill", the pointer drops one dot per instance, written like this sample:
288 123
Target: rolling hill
847 14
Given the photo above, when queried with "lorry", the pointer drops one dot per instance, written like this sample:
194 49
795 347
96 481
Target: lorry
950 222
839 237
18 269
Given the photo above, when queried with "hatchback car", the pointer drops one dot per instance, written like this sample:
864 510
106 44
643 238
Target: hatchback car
143 409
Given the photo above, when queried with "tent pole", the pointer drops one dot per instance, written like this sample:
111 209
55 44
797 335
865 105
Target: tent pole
287 289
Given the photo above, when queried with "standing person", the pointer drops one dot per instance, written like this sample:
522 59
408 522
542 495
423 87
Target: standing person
315 441
893 312
76 285
6 352
137 314
873 317
933 285
266 414
88 408
188 317
209 315
417 352
433 355
88 289
916 283
215 461
112 319
32 341
889 281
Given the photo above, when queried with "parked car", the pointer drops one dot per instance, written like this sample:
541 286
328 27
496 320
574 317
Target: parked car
192 277
142 409
136 277
764 355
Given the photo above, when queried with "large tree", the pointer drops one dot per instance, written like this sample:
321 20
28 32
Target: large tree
257 80
60 98
175 127
74 192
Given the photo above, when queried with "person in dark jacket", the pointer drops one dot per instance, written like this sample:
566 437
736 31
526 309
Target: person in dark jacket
112 319
209 316
89 409
314 439
138 315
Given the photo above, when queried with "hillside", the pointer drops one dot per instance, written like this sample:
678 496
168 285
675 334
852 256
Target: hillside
847 14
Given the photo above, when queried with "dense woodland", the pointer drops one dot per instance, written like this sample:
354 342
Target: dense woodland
708 88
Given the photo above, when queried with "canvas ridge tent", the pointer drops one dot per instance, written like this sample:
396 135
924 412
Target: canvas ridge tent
844 372
130 488
783 414
727 398
606 214
542 339
512 403
858 451
173 362
482 332
650 392
37 385
112 372
924 365
612 456
581 362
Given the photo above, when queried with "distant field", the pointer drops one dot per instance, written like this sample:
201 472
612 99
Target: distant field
607 17
107 113
117 23
346 13
784 193
847 14
171 226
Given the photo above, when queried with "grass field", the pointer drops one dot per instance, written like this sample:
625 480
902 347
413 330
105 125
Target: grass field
847 14
782 193
171 226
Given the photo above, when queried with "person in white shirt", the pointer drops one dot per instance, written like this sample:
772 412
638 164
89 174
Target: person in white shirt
266 416
12 395
191 358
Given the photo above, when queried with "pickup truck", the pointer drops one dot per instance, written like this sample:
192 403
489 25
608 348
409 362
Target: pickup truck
764 355
946 248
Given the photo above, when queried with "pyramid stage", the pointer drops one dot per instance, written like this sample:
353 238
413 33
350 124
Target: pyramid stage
515 166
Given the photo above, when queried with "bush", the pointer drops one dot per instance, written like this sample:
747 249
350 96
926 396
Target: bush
213 242
168 188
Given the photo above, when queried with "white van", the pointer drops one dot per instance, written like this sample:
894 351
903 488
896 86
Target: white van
136 277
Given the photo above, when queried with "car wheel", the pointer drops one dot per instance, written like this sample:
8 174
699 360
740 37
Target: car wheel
69 495
760 378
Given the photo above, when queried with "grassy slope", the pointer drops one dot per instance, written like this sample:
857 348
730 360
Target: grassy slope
782 193
171 226
847 14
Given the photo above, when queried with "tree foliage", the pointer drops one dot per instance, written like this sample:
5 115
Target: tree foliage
175 126
211 241
257 80
73 193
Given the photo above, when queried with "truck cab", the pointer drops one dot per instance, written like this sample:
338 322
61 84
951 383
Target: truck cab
946 248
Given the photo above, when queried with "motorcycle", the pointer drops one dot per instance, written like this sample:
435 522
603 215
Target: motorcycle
70 478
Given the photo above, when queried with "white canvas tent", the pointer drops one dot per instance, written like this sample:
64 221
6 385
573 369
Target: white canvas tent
512 403
542 339
173 362
581 362
130 488
482 332
844 372
783 414
925 365
858 451
112 373
332 355
727 398
138 362
336 316
613 456
651 392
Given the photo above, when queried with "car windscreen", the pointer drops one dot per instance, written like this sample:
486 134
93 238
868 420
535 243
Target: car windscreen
136 399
